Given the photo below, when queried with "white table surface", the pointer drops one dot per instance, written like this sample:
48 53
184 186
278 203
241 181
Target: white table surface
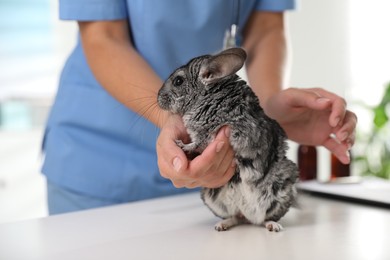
181 227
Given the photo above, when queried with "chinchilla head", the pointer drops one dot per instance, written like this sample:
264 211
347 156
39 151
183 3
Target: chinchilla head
185 86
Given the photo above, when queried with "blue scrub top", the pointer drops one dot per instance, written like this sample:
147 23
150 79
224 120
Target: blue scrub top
94 144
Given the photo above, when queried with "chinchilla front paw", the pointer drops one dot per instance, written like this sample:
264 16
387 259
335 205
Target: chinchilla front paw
186 147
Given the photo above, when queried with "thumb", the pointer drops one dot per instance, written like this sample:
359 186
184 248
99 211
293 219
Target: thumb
170 156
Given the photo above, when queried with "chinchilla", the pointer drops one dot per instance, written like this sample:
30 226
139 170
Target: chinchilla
208 94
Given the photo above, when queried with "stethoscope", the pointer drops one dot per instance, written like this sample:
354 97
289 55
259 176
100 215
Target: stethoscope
231 34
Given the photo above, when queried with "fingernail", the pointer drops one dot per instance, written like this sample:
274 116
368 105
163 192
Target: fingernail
227 132
348 155
219 146
336 121
333 136
349 144
234 164
177 164
322 100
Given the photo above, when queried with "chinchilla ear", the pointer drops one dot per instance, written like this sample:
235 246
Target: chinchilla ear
221 65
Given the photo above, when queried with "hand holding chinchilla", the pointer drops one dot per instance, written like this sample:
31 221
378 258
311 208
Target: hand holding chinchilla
213 168
207 95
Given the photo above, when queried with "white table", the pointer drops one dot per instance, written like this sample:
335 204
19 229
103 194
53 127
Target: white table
181 227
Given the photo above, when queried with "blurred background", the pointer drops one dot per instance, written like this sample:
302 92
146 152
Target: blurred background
342 46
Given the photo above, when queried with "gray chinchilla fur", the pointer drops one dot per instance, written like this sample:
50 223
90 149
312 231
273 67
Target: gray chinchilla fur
208 94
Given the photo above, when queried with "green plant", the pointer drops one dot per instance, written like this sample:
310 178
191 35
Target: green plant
375 146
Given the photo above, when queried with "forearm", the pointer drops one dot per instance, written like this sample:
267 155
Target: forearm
266 44
120 69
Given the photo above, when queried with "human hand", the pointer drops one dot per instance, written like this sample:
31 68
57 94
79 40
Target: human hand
315 117
213 168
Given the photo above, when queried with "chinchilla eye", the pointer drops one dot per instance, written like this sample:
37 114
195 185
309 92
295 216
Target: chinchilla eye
177 81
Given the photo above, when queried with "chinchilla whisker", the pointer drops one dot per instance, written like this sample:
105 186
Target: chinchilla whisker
144 113
152 91
150 99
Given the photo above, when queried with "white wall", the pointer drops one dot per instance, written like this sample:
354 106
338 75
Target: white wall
370 49
320 42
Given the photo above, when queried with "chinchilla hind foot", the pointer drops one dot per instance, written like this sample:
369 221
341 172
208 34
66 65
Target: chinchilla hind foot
228 223
273 226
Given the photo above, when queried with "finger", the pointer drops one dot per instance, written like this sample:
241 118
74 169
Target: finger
347 129
226 153
189 184
216 183
337 115
224 172
167 172
351 140
339 106
228 161
340 150
178 178
171 159
170 153
212 155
